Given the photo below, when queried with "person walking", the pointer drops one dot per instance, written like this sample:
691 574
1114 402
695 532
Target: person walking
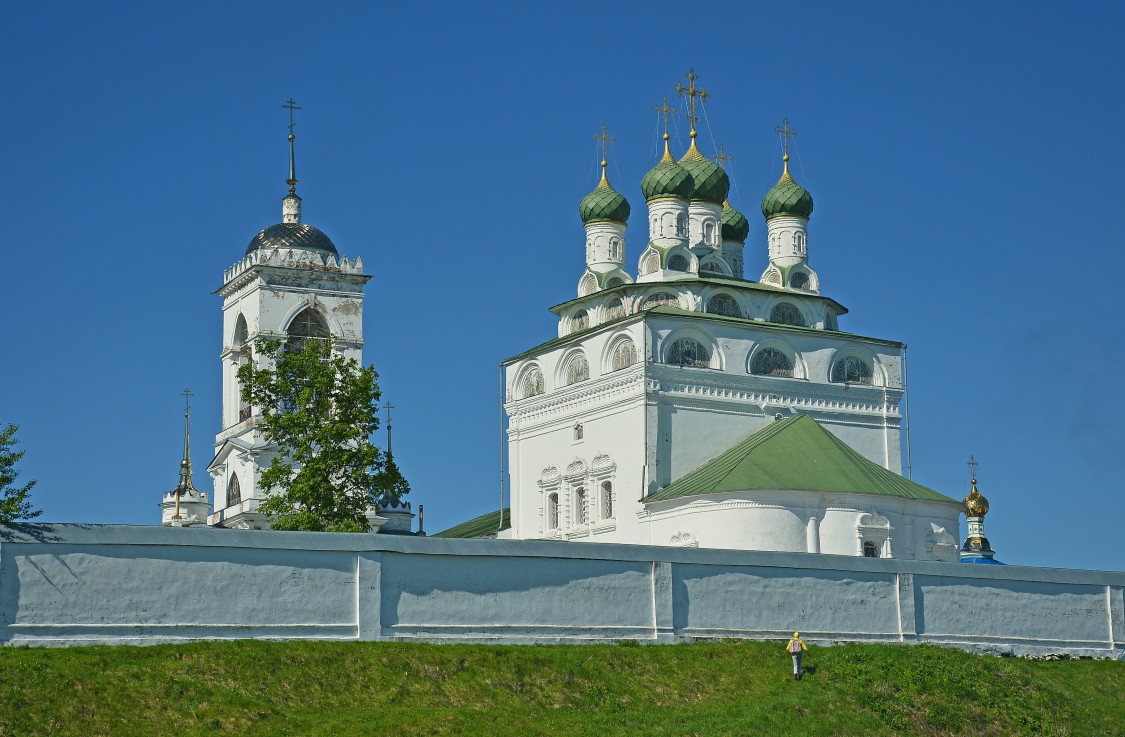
796 647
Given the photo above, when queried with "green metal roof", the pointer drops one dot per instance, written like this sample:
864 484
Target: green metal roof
787 198
667 179
482 526
794 454
604 204
711 183
735 225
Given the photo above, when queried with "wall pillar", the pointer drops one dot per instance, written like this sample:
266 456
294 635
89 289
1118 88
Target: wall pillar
907 609
1116 596
662 603
369 595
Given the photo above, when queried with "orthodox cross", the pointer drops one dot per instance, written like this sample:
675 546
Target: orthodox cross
291 105
689 93
973 467
723 157
186 394
187 440
388 406
666 111
786 133
605 139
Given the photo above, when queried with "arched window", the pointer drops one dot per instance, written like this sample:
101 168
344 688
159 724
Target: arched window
580 505
709 233
711 267
532 384
851 370
577 370
723 304
681 226
771 362
234 491
786 314
799 280
870 549
607 499
650 263
615 249
661 299
614 282
580 321
307 324
615 308
679 262
553 512
689 352
244 356
624 355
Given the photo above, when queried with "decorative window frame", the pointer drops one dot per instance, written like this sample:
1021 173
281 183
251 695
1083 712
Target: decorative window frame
706 297
640 300
550 482
692 260
854 350
587 285
877 529
724 269
603 469
574 478
604 309
703 337
801 309
516 391
649 262
610 351
800 371
563 367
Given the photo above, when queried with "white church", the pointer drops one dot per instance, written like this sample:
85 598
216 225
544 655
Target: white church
684 406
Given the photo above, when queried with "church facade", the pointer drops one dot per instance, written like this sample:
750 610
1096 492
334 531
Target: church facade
691 406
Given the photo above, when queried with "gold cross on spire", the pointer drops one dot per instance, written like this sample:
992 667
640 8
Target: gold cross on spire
786 133
186 394
605 138
666 111
292 180
973 463
690 93
723 157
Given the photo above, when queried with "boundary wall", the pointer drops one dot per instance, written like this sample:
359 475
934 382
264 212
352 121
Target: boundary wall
88 584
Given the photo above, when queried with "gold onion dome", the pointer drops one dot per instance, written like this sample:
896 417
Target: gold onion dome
604 204
735 225
975 503
667 179
711 183
787 198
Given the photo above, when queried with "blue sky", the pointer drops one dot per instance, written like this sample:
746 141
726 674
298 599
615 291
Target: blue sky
964 157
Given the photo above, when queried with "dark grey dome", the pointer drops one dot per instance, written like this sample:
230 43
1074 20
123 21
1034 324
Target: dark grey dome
292 235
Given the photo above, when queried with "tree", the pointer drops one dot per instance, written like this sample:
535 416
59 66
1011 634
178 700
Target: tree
14 504
320 409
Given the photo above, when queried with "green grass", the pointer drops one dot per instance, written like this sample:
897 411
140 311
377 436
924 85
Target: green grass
402 689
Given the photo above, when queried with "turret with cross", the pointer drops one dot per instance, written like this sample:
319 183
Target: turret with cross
291 205
185 505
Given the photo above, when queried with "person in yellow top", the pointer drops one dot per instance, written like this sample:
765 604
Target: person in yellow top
795 647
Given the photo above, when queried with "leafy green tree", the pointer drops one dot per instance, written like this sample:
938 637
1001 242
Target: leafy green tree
320 409
14 504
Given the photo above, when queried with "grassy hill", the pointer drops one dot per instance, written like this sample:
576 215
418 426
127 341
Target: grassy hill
401 689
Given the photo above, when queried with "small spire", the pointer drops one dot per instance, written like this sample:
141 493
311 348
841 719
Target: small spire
389 407
786 133
291 205
605 138
185 486
666 111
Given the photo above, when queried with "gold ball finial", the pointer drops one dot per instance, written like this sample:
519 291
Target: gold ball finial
693 134
666 136
785 157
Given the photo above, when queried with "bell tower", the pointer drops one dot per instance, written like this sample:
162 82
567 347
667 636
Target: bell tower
291 283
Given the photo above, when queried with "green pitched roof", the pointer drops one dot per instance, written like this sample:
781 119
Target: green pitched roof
483 526
794 454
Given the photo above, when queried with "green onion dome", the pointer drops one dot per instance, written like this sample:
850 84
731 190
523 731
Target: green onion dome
604 204
787 197
711 183
667 179
735 225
